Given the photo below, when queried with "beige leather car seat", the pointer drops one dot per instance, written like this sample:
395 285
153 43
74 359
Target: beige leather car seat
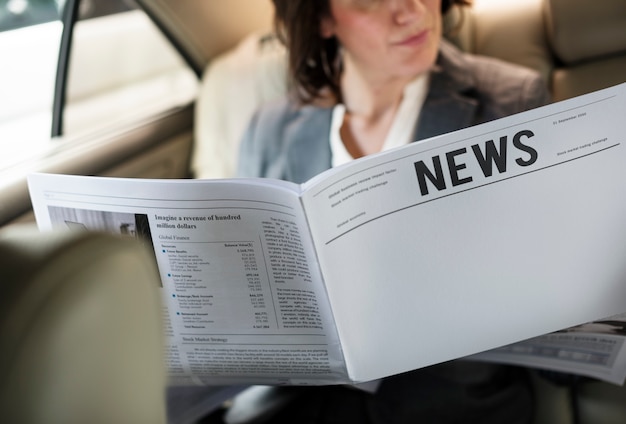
80 330
588 41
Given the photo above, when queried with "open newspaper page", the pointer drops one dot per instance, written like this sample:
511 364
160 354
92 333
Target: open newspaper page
243 296
596 349
478 238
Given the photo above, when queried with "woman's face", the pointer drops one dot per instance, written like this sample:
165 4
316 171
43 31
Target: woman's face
386 38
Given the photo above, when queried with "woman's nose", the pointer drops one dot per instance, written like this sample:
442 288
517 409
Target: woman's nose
405 11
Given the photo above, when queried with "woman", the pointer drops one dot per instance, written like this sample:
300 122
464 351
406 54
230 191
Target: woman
352 62
369 75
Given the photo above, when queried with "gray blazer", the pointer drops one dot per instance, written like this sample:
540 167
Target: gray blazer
288 141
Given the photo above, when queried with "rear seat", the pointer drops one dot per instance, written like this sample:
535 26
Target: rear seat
577 45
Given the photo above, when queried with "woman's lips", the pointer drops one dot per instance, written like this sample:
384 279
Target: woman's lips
413 40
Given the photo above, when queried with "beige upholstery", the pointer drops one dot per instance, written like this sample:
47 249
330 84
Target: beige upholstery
513 31
80 330
581 30
578 45
588 39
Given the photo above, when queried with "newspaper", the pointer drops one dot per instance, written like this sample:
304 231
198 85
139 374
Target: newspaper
594 349
430 252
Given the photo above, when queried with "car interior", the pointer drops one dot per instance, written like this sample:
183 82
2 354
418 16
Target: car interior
51 334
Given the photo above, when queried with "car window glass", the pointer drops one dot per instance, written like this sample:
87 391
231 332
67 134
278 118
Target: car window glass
30 35
121 69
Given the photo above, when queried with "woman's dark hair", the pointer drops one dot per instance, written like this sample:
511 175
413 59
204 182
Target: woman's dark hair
313 60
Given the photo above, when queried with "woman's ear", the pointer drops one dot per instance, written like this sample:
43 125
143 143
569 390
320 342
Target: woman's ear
327 27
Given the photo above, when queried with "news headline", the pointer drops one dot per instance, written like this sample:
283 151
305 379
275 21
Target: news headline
486 156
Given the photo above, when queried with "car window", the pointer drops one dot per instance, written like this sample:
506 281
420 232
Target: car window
120 69
30 35
15 14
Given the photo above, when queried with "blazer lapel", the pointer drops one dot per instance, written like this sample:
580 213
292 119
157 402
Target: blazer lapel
449 105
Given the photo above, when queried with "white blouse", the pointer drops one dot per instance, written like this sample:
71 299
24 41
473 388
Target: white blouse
401 131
